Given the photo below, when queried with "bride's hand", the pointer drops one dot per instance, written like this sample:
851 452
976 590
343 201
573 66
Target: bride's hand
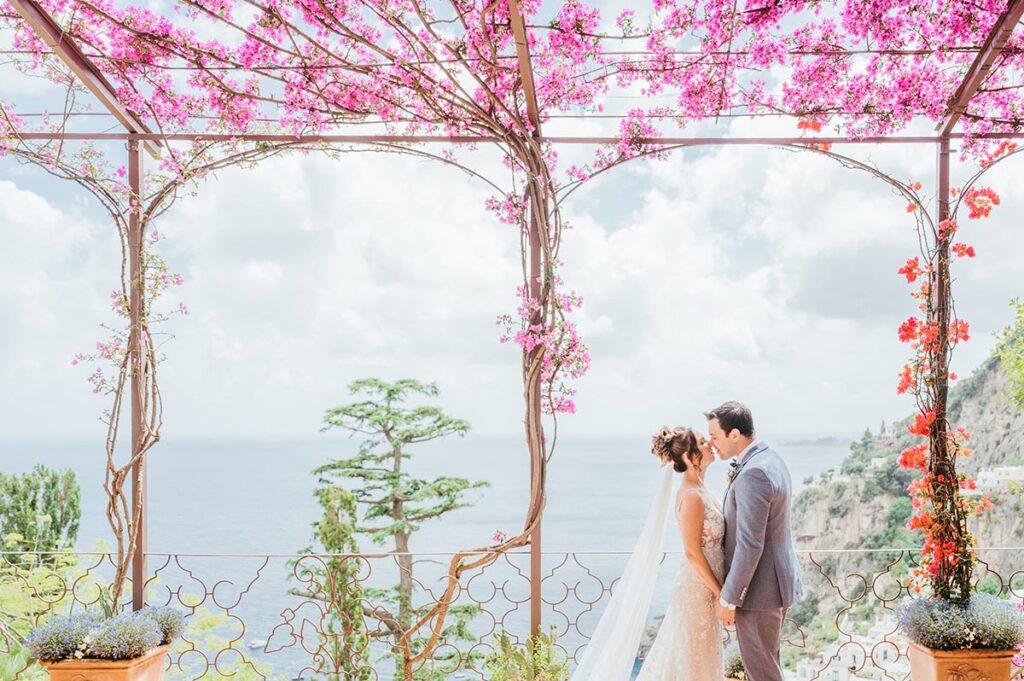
726 615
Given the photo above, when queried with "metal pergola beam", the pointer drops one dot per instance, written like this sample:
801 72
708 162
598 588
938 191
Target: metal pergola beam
982 65
467 139
68 52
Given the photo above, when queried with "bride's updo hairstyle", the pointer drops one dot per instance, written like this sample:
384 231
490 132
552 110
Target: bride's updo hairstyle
678 445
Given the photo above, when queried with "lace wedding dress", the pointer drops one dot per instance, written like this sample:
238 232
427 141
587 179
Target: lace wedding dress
688 646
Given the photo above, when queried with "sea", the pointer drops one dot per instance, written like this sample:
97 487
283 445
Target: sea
219 507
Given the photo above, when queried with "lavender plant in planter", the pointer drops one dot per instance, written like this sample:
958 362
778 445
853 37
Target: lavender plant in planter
126 647
948 638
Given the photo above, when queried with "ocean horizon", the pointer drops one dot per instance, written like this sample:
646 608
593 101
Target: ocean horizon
261 490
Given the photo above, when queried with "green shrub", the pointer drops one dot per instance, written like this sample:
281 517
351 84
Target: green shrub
537 660
734 668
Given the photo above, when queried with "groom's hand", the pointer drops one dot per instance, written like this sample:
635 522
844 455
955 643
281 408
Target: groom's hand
726 615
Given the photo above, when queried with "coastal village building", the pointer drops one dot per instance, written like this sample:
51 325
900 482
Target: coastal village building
1000 478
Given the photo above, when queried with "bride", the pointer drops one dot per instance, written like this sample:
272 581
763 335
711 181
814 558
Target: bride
688 646
689 643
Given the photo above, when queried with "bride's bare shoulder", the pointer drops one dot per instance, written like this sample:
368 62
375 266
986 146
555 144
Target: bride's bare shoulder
689 497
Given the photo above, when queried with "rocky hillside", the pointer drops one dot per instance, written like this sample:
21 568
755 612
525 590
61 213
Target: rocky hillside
864 503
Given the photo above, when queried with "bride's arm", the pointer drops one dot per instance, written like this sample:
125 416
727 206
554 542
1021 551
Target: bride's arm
693 529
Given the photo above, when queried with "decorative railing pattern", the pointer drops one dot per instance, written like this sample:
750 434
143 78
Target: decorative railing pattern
337 617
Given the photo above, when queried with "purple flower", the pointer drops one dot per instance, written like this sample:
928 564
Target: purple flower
986 622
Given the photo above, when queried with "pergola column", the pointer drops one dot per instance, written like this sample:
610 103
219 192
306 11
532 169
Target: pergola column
536 223
137 366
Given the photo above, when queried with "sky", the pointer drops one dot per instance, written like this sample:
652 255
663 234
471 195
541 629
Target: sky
720 273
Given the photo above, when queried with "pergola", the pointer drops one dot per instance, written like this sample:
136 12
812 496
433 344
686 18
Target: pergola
142 140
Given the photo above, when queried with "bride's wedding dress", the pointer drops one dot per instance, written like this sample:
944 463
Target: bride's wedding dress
688 646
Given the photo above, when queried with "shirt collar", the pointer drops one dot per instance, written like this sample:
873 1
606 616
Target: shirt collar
751 447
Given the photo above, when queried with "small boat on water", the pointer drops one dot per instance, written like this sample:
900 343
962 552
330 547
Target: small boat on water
257 643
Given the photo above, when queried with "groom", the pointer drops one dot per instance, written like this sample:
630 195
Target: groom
762 574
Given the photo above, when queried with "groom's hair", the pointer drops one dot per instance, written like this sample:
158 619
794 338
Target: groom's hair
733 415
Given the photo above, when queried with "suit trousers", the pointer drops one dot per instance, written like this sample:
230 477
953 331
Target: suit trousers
760 635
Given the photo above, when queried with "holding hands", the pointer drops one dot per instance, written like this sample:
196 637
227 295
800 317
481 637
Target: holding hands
727 616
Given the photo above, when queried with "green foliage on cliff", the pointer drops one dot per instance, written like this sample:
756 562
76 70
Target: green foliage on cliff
1011 353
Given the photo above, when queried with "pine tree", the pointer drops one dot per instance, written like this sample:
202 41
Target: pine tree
395 505
39 510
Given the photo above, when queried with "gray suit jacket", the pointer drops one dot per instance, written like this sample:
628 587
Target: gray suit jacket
762 572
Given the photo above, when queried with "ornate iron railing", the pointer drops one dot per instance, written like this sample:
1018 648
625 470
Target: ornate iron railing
335 617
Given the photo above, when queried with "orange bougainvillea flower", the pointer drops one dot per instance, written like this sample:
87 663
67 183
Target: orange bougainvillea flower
959 331
906 380
927 335
980 201
922 424
920 521
911 207
1005 147
962 250
912 270
909 329
914 458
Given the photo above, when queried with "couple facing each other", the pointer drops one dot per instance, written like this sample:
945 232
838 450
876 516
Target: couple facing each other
740 566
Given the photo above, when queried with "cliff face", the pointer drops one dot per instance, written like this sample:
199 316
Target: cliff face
982 404
864 504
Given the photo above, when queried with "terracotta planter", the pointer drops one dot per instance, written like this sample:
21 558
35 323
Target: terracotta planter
959 665
149 667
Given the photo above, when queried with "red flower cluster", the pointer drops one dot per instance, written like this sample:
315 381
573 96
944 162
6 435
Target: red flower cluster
922 424
912 270
980 201
921 335
1005 147
915 458
906 379
959 331
814 126
909 329
962 250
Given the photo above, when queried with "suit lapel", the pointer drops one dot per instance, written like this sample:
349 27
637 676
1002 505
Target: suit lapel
757 449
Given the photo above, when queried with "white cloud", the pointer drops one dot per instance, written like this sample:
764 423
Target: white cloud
55 278
727 272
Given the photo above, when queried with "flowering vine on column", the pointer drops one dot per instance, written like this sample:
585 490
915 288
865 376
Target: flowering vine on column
941 503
